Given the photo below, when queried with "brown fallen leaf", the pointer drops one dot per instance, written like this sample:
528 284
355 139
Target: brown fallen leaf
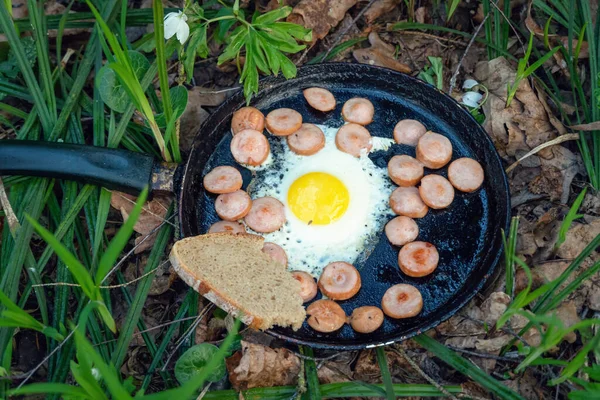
549 182
523 125
577 238
592 126
494 306
381 54
194 115
320 15
379 8
261 366
152 215
567 313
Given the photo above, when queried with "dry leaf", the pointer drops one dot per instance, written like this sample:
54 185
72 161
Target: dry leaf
152 215
493 346
494 306
332 373
379 8
593 126
578 237
261 366
320 15
525 123
381 54
549 182
193 116
567 313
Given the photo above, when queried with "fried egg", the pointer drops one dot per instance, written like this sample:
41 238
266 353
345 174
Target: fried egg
336 204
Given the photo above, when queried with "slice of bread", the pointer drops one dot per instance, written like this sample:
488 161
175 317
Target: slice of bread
234 273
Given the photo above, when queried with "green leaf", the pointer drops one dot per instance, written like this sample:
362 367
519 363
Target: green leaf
79 272
48 388
110 88
452 9
197 46
272 16
238 38
288 68
336 50
297 31
191 364
569 218
179 99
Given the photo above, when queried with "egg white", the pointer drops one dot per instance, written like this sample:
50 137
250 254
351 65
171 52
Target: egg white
352 237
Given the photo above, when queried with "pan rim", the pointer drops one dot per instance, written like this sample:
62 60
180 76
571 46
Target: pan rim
492 260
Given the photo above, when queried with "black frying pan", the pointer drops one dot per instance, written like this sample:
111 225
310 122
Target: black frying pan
467 234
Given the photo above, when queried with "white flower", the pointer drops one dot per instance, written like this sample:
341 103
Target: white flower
472 99
470 83
96 374
175 24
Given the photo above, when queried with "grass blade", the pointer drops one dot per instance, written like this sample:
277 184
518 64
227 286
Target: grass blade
467 368
313 389
385 373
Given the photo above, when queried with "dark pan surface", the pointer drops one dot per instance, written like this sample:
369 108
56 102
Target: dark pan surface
467 234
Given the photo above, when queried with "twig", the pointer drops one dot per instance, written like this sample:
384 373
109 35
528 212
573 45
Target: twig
399 350
484 355
29 374
410 56
203 392
130 252
150 329
462 58
343 32
331 357
191 329
434 37
13 221
560 139
103 287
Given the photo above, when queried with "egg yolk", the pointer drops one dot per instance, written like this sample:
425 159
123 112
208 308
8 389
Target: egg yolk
318 198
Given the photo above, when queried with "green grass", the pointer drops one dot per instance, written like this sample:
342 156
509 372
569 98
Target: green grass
71 244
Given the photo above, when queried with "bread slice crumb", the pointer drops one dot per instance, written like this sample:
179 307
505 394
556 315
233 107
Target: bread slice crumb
232 272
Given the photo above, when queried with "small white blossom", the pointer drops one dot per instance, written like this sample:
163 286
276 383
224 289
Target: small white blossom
175 24
470 84
472 99
96 374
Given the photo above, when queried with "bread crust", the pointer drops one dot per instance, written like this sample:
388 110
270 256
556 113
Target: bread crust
211 293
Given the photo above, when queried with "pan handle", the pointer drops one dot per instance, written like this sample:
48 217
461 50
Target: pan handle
117 169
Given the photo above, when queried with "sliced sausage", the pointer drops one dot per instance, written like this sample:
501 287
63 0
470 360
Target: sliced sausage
366 319
223 179
407 201
465 174
325 316
307 140
227 226
247 118
266 215
319 99
401 230
250 147
418 259
308 286
405 170
339 280
283 121
436 191
434 150
358 110
402 301
353 139
409 131
276 252
233 206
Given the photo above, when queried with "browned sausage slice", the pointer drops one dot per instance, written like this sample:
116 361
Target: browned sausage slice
250 147
325 316
366 319
353 139
402 301
233 206
405 170
266 215
339 280
407 201
227 226
434 150
465 174
275 252
358 110
319 99
436 191
418 259
401 230
247 118
223 179
308 286
409 131
307 140
283 121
